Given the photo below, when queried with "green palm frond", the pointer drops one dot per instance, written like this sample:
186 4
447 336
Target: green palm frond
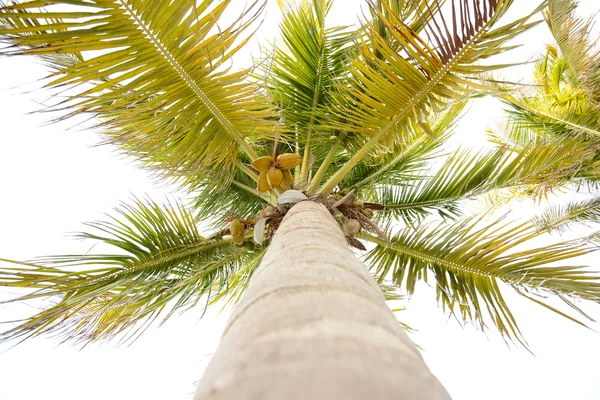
468 262
387 95
301 73
240 279
573 36
167 95
213 204
414 14
462 176
156 262
398 167
514 135
558 106
565 98
535 169
559 218
579 168
407 161
561 120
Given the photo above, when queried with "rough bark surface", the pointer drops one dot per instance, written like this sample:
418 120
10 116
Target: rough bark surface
313 324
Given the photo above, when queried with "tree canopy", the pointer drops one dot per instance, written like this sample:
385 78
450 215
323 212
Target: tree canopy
355 117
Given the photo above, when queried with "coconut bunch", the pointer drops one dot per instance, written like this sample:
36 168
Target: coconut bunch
352 215
275 171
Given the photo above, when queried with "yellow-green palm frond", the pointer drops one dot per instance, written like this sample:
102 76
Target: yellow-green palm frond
550 118
167 95
565 98
156 262
387 96
307 60
535 169
559 218
415 14
213 204
573 36
468 263
240 279
577 169
407 162
557 105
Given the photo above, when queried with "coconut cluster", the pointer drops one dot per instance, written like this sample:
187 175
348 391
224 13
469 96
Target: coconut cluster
352 215
275 171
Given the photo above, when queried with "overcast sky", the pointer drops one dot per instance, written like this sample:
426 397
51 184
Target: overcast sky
52 178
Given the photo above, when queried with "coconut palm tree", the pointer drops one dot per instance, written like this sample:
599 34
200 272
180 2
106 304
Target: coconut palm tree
333 140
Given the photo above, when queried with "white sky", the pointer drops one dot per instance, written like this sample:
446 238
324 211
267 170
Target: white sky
52 179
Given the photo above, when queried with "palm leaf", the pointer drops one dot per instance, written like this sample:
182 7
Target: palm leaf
559 218
166 96
301 73
407 161
240 279
558 105
558 120
573 35
565 100
469 262
213 204
388 95
534 170
158 263
414 14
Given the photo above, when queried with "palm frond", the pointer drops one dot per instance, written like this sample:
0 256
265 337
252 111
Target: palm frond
388 95
558 105
468 262
414 14
406 162
156 262
212 204
578 169
559 218
565 98
553 119
301 73
535 170
240 279
514 135
167 95
573 36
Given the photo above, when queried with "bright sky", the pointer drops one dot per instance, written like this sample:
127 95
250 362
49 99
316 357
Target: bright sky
52 179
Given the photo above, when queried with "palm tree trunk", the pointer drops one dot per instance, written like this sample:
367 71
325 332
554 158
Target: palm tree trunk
313 324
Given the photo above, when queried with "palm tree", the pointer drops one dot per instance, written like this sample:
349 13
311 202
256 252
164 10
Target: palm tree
327 143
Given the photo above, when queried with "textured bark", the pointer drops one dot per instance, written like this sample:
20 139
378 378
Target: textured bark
313 324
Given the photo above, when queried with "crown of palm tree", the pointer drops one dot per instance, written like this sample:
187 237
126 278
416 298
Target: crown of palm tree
349 117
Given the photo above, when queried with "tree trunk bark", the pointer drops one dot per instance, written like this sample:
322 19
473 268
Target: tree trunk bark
313 324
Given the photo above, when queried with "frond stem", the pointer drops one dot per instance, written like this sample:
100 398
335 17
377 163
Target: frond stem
323 168
255 192
244 168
